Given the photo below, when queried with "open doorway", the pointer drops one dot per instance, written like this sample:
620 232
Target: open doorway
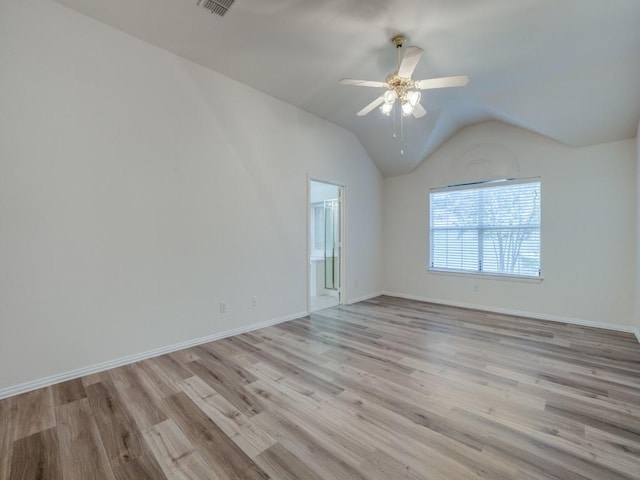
325 244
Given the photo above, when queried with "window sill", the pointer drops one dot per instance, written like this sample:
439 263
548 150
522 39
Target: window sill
488 276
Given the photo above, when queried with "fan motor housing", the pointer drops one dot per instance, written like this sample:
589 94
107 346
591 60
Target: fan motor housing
399 85
398 40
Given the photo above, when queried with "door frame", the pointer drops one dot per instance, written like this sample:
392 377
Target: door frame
343 236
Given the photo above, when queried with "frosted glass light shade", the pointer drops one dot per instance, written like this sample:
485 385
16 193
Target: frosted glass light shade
390 97
407 108
386 108
413 97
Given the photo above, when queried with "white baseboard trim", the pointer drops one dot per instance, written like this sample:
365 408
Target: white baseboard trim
518 313
363 298
637 332
118 362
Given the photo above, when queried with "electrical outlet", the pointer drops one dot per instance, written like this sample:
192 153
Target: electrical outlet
223 307
254 302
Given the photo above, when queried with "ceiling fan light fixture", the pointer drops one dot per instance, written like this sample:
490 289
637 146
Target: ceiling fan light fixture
390 97
400 86
386 108
413 97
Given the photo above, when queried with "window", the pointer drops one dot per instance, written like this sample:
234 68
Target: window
491 228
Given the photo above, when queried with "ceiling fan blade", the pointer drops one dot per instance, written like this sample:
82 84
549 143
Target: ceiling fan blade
443 82
409 61
419 111
361 83
371 106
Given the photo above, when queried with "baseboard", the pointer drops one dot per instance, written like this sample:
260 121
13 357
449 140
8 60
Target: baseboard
637 333
519 313
363 298
118 362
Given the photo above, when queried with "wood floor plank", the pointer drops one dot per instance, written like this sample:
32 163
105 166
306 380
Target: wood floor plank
382 389
67 392
96 377
280 463
225 386
176 455
159 384
227 460
237 426
313 375
219 361
36 457
144 466
7 411
140 400
405 440
32 412
120 435
116 428
381 465
543 453
144 409
360 434
348 449
184 356
82 454
170 367
295 438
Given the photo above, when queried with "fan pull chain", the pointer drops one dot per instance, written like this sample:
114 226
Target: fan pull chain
401 134
395 129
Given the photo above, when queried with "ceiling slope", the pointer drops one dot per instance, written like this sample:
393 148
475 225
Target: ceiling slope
569 70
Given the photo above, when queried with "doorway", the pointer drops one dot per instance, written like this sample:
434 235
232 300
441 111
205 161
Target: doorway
325 244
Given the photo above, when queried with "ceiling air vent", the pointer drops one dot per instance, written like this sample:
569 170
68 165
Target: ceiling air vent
218 7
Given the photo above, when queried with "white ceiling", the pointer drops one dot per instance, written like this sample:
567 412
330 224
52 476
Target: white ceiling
568 69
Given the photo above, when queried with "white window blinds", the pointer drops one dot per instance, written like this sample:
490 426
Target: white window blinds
492 228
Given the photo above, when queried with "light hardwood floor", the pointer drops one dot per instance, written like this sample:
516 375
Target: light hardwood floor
385 389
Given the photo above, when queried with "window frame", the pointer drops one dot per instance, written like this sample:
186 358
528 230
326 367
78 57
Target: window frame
480 273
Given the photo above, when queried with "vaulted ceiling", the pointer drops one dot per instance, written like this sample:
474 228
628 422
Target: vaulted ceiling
567 69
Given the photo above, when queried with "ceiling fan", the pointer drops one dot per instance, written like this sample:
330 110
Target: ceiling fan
401 87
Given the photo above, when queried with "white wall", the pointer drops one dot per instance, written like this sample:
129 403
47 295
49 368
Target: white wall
637 257
138 190
588 229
